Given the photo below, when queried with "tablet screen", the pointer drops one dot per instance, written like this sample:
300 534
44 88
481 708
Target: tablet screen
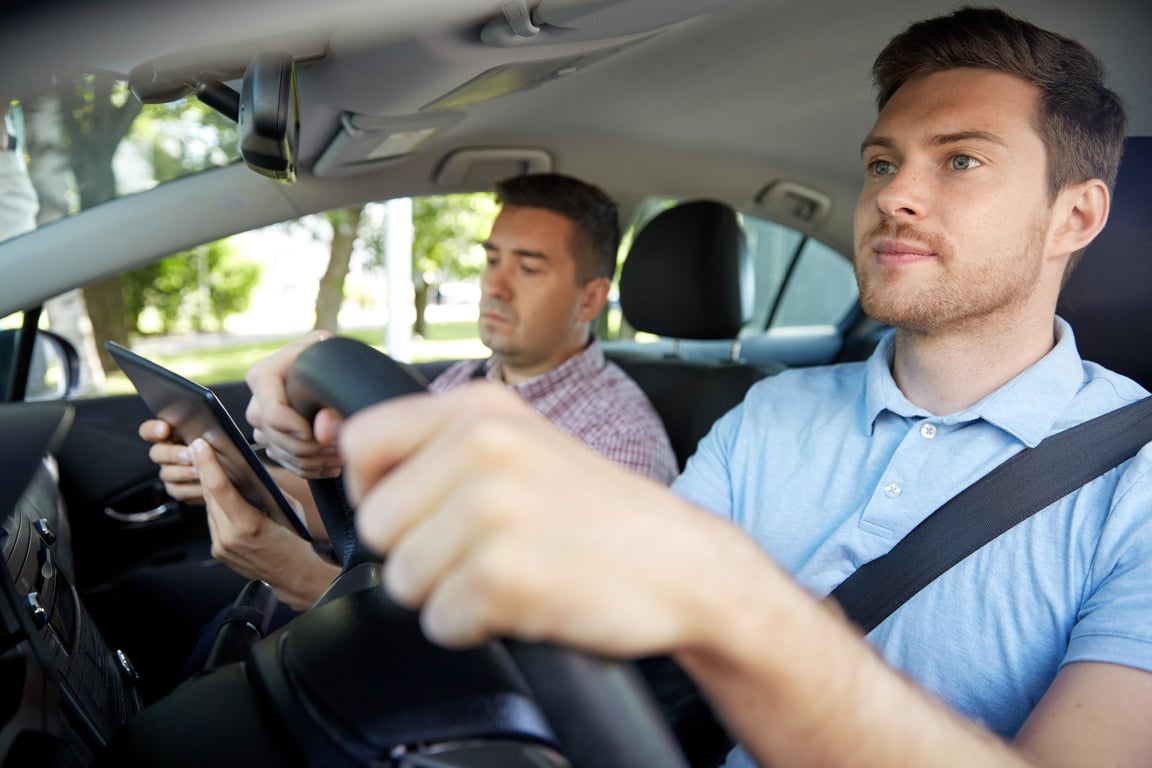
194 411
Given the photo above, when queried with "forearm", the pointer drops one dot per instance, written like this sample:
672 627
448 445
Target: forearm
797 686
297 487
300 585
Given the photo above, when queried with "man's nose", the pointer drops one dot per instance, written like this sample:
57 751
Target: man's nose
495 283
904 195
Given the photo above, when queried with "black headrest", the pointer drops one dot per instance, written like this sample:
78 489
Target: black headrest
686 274
1108 299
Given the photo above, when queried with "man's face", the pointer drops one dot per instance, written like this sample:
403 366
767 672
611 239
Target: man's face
952 220
533 315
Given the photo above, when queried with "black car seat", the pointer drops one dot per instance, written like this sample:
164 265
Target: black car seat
1108 298
687 277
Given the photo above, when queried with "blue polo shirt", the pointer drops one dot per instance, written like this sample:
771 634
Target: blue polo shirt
829 467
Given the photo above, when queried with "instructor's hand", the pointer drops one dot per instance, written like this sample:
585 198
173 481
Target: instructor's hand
288 437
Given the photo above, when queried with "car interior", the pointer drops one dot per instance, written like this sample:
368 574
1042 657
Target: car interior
728 133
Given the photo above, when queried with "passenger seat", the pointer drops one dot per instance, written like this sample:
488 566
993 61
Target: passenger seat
687 277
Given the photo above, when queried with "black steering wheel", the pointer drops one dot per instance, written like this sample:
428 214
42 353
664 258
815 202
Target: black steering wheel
353 682
599 710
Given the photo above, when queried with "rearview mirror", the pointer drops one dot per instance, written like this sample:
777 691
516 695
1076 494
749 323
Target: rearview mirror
269 116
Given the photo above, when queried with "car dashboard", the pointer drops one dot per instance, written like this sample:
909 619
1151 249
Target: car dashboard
65 691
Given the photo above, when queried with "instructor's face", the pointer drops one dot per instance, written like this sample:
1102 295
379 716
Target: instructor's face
533 314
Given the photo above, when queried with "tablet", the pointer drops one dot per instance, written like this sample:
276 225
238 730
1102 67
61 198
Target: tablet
194 411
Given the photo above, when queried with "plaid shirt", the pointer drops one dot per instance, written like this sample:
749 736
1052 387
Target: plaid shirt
591 398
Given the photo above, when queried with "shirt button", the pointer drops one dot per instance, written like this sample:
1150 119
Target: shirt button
892 490
928 431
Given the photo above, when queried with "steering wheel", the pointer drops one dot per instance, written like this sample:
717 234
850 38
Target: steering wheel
599 709
353 682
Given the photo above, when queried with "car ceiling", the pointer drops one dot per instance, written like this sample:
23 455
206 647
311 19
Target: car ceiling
717 105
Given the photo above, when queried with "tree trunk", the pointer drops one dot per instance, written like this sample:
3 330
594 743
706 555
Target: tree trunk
94 136
330 293
47 167
420 298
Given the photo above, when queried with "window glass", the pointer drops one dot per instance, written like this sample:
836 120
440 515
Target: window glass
772 248
820 291
86 141
213 310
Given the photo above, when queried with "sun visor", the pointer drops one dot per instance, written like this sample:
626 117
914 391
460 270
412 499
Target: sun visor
366 142
518 76
571 21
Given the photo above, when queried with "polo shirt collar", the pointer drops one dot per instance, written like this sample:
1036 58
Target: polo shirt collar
1026 407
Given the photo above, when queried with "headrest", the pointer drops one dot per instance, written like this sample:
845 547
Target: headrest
686 276
1108 298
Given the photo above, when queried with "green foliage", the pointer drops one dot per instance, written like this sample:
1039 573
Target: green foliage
183 137
230 361
190 287
446 231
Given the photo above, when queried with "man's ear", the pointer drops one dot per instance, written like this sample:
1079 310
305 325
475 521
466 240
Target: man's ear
594 295
1079 214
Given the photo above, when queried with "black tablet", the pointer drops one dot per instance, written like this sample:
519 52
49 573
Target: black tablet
194 411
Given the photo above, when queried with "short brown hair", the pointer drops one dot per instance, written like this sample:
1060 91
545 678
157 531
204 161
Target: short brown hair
597 238
1081 122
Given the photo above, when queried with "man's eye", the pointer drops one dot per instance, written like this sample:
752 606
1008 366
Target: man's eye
963 162
528 270
881 168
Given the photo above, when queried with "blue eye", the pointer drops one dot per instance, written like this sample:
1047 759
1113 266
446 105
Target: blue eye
963 162
881 168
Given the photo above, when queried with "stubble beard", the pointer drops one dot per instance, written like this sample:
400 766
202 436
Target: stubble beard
961 294
496 340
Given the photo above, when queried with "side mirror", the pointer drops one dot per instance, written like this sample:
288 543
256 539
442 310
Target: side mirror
53 371
269 116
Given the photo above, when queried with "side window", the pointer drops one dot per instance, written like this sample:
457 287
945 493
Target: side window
773 249
821 289
212 311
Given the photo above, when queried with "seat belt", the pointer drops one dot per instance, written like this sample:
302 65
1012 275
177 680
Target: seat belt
1012 492
481 371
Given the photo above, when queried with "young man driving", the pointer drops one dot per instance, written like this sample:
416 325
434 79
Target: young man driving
987 171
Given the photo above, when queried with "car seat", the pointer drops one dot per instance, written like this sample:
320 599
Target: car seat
687 276
1108 298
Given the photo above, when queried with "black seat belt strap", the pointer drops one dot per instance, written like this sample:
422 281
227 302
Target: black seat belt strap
1010 493
480 371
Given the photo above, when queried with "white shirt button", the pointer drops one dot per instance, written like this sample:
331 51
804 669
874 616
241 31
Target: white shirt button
927 431
892 490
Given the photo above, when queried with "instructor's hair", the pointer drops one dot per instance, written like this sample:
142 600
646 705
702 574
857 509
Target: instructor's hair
597 231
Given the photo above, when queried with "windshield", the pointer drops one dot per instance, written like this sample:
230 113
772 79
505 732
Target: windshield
88 141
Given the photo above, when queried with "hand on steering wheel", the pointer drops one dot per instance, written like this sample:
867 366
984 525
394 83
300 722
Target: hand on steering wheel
600 712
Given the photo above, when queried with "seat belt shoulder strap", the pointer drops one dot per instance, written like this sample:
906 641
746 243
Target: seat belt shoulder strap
1024 484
